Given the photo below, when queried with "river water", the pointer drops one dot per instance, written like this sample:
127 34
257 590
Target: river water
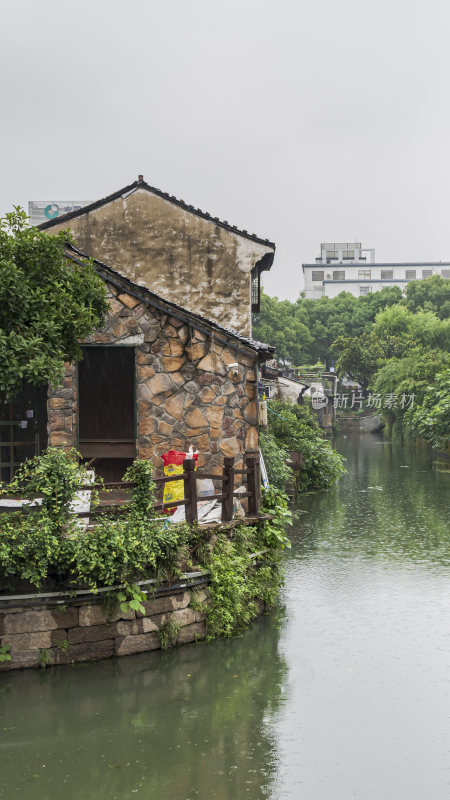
342 692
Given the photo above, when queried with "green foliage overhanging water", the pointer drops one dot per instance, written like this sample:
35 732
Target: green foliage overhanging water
294 427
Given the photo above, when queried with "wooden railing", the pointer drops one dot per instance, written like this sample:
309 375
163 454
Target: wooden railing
189 476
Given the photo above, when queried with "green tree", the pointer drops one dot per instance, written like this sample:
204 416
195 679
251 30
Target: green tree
304 331
278 325
360 357
47 305
344 315
414 375
432 294
422 327
431 419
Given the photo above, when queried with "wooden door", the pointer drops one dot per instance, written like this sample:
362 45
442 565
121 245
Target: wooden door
106 387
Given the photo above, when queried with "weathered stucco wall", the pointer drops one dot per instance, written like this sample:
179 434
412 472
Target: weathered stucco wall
177 254
186 393
84 632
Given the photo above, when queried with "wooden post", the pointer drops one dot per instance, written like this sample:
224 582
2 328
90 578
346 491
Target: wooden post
228 488
252 466
190 490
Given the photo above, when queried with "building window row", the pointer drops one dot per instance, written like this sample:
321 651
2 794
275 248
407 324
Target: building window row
386 274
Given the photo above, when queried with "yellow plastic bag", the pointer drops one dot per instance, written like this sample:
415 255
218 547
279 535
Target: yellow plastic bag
173 465
174 490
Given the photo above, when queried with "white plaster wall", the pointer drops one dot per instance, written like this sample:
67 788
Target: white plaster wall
332 289
316 289
248 253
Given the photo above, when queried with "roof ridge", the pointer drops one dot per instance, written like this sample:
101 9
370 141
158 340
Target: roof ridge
141 184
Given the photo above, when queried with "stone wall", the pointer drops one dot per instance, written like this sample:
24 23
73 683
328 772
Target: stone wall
178 254
186 392
83 632
62 410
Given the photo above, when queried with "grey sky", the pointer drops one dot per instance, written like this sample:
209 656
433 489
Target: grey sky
325 120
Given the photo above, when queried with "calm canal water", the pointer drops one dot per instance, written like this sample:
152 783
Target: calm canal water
343 692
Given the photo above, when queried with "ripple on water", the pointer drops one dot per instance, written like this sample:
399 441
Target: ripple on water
343 691
367 635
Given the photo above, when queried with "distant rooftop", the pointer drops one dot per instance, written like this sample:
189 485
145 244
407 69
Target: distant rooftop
41 211
343 252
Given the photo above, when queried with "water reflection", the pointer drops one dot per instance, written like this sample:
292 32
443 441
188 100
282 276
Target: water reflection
346 695
186 724
393 504
367 639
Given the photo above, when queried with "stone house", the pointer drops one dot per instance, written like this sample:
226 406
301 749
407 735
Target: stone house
157 377
181 253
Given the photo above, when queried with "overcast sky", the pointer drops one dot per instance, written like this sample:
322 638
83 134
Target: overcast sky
301 120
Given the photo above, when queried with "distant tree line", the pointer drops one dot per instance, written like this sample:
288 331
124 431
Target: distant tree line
390 343
303 332
406 354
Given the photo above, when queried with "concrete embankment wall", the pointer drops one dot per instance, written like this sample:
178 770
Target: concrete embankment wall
83 631
371 424
365 424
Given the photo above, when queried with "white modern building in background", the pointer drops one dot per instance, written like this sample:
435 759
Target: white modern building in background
348 267
42 210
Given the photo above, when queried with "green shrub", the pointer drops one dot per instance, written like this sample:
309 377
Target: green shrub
275 503
275 457
168 633
295 427
129 546
143 493
239 585
46 657
31 547
131 598
5 654
232 605
54 476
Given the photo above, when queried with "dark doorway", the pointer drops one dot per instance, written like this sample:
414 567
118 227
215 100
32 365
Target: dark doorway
106 387
23 429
